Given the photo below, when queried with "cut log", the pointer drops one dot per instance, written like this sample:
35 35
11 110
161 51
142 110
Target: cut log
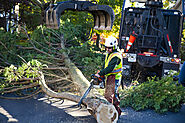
103 111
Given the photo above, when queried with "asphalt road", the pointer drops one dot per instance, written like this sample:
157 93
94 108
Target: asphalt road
42 109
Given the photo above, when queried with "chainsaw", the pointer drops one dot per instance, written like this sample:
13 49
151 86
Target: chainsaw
96 82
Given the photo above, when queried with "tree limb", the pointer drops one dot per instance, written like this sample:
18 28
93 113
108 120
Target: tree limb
37 3
40 51
75 73
17 88
56 68
103 111
21 88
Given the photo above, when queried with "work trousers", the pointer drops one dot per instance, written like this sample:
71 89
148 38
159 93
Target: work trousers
111 92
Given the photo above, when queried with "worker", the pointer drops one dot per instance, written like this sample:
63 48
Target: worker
102 41
94 38
182 75
112 69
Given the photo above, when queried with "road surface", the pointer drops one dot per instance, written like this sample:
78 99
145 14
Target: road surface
42 109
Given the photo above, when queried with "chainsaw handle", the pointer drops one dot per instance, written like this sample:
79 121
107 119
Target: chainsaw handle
93 76
101 78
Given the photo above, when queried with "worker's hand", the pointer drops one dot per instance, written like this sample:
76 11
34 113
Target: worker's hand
97 75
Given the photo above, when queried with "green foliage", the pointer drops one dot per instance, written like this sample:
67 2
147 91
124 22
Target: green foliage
117 7
161 95
32 13
80 52
74 30
8 49
26 70
86 58
76 25
167 4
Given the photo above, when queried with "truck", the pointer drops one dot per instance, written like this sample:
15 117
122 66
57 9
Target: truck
149 36
151 39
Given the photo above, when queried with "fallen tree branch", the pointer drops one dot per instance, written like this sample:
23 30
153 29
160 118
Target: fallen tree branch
52 75
24 97
40 51
56 68
103 111
21 88
75 73
25 86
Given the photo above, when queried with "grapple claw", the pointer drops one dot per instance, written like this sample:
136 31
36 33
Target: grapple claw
103 14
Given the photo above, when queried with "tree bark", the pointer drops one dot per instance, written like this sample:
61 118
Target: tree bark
103 111
76 75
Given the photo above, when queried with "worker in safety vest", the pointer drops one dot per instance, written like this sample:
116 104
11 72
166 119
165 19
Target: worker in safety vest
112 69
102 42
94 38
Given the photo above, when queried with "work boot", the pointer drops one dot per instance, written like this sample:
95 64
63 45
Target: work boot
119 111
116 105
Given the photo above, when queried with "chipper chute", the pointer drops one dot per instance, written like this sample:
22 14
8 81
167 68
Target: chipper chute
103 14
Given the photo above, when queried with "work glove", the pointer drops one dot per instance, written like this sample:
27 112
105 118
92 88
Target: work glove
97 74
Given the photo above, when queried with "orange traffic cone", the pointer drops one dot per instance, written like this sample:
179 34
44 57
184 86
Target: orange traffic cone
130 42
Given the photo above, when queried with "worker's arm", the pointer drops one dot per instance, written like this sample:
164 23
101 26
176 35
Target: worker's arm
114 61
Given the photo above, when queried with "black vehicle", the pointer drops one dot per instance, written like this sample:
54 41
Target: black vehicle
151 39
149 35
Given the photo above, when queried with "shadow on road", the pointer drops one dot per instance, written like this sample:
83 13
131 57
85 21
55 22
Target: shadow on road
3 118
43 109
39 110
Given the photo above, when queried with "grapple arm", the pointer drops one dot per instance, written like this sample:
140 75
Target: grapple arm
103 14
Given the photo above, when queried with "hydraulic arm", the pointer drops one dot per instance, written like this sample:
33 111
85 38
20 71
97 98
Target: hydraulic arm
103 14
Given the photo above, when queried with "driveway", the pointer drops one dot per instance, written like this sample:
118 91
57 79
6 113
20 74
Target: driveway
42 109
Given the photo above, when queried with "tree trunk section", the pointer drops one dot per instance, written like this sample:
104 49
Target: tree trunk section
103 111
76 75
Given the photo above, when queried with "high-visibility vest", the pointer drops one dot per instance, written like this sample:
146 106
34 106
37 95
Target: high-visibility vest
118 68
